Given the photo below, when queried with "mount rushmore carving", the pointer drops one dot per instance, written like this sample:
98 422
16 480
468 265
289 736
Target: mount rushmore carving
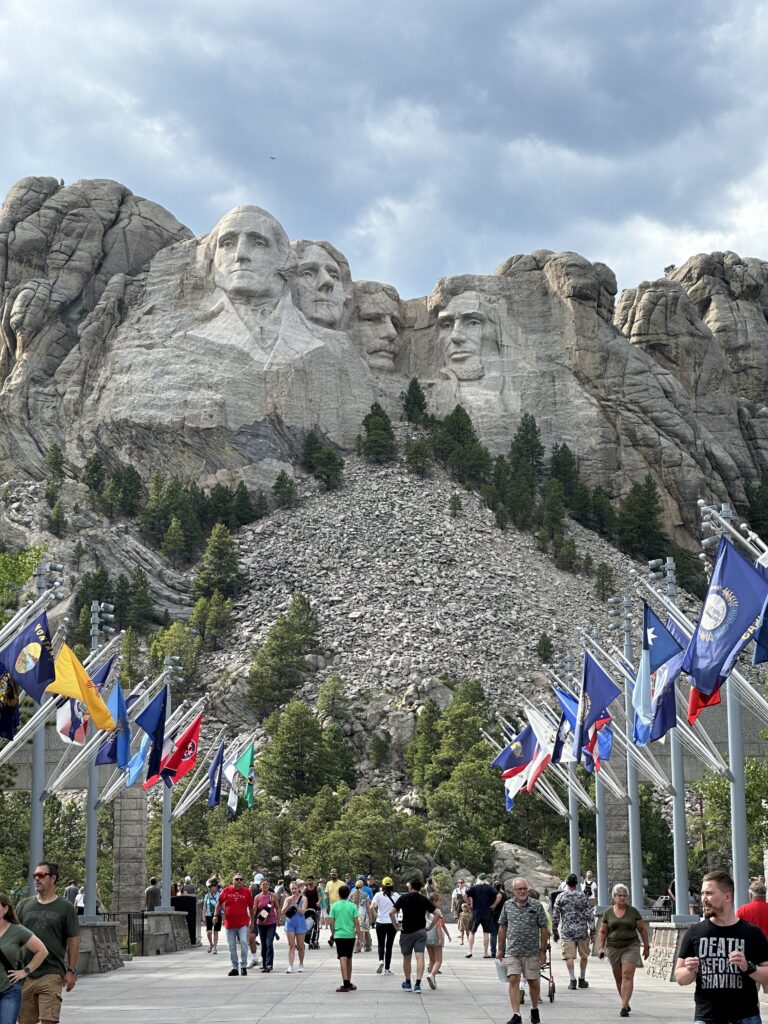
214 356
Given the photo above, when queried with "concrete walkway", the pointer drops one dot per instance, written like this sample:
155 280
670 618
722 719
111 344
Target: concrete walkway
193 987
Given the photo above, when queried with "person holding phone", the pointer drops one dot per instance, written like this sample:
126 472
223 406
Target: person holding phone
266 917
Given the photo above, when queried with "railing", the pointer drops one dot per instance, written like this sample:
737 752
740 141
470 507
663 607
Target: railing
130 930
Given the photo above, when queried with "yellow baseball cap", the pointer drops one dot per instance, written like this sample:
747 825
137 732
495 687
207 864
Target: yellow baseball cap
386 881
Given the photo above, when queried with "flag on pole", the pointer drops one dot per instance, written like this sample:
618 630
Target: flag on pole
512 787
230 774
72 722
735 600
101 674
697 701
215 772
664 709
598 690
9 706
659 647
152 721
116 748
244 765
560 755
73 681
760 653
136 763
182 759
569 704
545 744
517 754
28 658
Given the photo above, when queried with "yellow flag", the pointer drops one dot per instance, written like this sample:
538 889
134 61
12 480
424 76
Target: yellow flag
73 681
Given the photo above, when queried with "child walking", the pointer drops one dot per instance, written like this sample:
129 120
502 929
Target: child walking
436 940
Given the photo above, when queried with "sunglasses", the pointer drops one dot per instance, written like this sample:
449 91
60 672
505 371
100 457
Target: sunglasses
41 874
238 879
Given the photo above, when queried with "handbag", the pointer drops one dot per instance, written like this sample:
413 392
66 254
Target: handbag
290 911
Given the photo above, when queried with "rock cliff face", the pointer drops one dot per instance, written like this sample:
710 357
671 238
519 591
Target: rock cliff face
119 330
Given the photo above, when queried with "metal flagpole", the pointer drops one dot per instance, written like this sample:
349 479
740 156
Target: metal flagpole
633 792
101 613
173 675
37 782
573 801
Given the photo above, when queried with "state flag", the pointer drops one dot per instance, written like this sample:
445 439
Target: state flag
184 755
73 681
28 658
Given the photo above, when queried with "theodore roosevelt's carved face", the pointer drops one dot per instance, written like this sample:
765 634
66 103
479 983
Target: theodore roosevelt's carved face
378 319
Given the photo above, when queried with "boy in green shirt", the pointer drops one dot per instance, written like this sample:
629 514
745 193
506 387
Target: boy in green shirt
345 928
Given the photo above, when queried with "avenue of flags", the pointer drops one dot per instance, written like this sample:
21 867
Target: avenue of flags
734 613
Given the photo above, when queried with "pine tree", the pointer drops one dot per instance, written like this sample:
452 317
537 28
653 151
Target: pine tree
588 565
293 762
545 648
217 620
310 451
284 491
130 490
220 504
152 518
174 542
418 456
199 617
94 475
639 521
455 442
278 665
563 467
121 599
54 464
328 467
57 521
602 514
338 757
131 662
141 610
502 519
454 505
552 510
178 641
260 506
566 554
414 403
219 568
379 443
242 505
77 554
605 581
527 452
333 697
110 498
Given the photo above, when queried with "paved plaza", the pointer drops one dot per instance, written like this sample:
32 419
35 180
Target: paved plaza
193 987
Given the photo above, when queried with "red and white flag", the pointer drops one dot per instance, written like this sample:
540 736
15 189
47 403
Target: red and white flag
184 755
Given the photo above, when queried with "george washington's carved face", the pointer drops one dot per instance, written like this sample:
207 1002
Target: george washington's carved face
250 251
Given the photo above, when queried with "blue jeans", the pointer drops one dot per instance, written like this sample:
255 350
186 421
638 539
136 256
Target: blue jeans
742 1020
10 1001
232 934
494 934
267 940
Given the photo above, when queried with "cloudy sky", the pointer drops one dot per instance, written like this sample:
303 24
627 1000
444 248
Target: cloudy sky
423 138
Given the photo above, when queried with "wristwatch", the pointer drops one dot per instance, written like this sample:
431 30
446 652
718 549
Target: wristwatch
751 967
27 970
71 970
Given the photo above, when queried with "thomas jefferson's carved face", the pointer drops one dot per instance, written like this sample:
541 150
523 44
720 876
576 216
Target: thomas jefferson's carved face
319 288
461 326
248 256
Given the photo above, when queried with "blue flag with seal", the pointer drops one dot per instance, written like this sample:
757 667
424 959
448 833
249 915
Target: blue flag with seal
116 748
136 764
517 754
760 653
28 658
598 690
215 770
569 705
728 621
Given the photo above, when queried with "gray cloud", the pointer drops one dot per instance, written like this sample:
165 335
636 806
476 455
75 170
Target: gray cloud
423 139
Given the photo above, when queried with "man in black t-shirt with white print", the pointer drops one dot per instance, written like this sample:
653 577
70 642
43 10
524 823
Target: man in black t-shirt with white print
726 957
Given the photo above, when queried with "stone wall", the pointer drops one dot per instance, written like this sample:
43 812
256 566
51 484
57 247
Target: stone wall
99 948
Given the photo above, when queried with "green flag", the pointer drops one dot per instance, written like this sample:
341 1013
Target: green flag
244 765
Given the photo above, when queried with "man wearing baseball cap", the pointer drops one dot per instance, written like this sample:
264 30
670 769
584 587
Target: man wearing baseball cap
382 905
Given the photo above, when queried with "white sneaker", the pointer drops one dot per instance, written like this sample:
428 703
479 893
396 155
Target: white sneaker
300 969
387 971
380 968
253 963
289 971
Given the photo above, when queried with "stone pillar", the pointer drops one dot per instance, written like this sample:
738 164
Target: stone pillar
617 838
130 850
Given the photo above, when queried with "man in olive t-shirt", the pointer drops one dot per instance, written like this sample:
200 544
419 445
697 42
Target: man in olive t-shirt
54 921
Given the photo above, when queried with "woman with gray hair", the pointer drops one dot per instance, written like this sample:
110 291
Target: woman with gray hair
618 936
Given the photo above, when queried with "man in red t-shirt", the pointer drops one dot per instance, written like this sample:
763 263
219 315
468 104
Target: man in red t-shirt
756 911
236 903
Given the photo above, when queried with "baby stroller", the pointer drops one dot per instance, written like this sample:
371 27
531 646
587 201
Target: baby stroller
546 974
313 935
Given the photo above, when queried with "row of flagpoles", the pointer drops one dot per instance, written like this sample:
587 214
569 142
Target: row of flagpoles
138 733
585 726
